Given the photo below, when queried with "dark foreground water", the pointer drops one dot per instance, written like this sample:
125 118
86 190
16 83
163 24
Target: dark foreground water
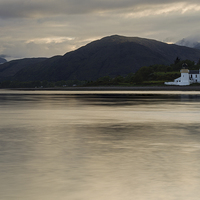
112 146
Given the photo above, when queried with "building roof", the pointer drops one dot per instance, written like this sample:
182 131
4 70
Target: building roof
194 72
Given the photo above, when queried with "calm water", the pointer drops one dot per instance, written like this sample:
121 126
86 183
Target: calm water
99 146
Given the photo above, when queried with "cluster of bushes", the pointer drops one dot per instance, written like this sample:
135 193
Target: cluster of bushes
108 81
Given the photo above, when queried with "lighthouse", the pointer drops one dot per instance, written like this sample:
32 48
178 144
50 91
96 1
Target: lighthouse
184 75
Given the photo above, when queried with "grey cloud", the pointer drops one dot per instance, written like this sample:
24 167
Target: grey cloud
22 8
190 41
3 56
34 26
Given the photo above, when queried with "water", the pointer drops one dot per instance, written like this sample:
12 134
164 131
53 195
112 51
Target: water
99 145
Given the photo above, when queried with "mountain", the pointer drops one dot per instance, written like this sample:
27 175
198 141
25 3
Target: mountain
9 69
191 41
2 60
112 55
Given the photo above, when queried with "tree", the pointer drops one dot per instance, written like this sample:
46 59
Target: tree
177 60
198 63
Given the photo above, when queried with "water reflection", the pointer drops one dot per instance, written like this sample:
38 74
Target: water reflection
103 146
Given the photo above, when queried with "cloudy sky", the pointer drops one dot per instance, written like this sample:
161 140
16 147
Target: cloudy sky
38 28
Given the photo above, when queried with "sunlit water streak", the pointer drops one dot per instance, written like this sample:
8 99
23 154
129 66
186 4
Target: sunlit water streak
99 145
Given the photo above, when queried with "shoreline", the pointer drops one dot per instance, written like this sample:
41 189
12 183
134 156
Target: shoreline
115 88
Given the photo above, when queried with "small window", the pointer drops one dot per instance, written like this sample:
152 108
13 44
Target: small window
196 76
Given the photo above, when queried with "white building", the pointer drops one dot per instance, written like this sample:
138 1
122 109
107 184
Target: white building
187 77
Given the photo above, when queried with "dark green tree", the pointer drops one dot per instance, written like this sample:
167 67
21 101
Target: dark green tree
177 60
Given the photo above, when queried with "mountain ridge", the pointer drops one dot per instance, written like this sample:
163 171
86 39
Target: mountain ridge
192 42
109 56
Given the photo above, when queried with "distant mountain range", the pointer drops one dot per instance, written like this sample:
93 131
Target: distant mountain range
192 42
2 60
112 56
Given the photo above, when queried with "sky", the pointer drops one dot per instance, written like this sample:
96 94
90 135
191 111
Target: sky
41 28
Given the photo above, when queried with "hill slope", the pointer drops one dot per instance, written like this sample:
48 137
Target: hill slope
9 69
113 55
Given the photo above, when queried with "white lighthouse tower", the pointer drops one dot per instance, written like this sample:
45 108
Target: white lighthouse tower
185 80
184 77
